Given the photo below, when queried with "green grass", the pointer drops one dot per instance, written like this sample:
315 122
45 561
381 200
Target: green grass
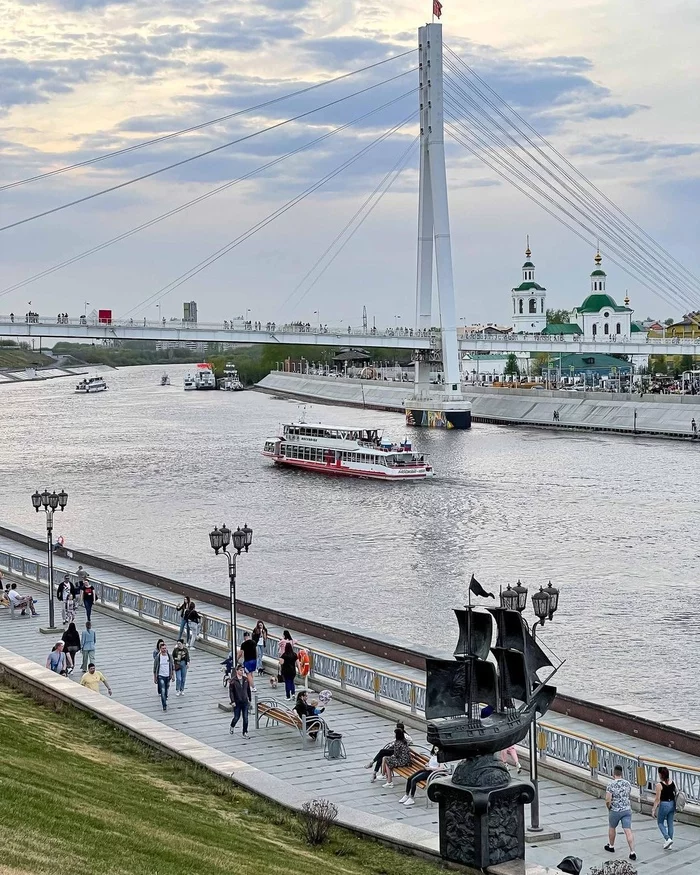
77 795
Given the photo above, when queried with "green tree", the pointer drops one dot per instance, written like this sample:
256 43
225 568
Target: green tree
669 321
557 317
511 369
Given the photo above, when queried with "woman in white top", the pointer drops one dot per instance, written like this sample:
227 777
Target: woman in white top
422 775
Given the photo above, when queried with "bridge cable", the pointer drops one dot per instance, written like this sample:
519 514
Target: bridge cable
563 158
391 176
126 234
202 154
633 259
199 127
219 253
615 224
480 148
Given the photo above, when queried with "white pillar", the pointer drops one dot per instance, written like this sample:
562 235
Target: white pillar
433 141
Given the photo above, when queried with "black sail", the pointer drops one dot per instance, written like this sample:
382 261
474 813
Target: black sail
452 688
475 633
514 634
513 679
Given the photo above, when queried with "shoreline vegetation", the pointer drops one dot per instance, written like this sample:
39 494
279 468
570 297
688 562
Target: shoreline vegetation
82 796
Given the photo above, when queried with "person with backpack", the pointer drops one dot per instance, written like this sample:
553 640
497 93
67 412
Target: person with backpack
664 807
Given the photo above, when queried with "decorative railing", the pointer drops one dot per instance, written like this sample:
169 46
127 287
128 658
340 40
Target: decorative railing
595 757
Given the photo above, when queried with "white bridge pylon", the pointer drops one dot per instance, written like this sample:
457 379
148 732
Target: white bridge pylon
433 214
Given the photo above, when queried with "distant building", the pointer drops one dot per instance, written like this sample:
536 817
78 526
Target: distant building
689 326
600 316
190 311
529 300
588 364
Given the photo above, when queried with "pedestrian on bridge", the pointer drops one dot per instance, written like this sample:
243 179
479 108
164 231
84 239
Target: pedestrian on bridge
182 611
248 654
617 799
88 596
163 673
193 621
664 807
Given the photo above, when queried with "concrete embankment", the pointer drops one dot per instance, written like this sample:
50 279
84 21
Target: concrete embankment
668 416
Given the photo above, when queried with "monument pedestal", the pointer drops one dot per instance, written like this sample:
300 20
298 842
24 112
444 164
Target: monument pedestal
482 817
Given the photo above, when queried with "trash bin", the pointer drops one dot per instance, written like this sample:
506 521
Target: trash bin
334 746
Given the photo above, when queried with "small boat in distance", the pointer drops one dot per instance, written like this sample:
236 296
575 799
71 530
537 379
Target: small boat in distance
350 451
231 381
189 383
89 385
204 377
165 380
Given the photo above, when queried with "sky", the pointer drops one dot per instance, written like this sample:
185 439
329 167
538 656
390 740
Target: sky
612 84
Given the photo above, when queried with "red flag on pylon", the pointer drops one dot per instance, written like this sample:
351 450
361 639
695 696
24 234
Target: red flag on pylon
437 8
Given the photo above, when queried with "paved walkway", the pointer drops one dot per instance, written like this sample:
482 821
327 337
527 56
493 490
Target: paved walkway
124 655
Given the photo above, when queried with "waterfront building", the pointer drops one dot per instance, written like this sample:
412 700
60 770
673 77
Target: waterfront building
689 326
600 316
529 300
593 365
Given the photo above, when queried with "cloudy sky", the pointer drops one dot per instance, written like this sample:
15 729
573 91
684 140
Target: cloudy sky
612 83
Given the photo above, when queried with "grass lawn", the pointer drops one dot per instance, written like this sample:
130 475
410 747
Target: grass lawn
78 796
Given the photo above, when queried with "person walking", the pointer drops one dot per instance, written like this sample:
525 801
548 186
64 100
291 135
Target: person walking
88 640
399 758
259 636
88 594
163 673
248 654
412 783
288 669
617 799
68 609
56 660
93 678
193 621
239 694
182 611
181 662
664 807
511 751
71 646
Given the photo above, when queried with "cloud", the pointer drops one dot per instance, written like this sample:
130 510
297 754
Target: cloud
610 149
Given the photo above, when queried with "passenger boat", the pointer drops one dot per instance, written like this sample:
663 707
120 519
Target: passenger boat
204 377
231 381
350 451
89 385
165 380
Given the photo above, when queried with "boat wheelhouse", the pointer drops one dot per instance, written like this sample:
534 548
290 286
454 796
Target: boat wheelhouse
350 451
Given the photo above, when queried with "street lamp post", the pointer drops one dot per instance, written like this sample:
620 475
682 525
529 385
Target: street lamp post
220 539
544 604
49 502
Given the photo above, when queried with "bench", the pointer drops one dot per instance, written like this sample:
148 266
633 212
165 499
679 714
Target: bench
276 713
17 612
419 760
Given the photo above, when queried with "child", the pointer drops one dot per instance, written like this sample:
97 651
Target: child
68 607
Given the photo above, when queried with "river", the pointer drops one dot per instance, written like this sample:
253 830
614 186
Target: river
611 521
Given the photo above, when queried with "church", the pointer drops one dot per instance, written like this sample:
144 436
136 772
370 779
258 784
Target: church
599 317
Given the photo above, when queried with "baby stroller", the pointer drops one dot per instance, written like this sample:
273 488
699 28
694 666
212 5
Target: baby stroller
227 668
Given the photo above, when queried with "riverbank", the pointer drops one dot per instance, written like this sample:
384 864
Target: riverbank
659 416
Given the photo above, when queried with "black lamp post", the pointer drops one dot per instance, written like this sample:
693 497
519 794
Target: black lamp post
49 502
220 539
544 604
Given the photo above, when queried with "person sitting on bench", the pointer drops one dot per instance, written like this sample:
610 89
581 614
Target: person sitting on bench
412 783
305 709
21 601
376 763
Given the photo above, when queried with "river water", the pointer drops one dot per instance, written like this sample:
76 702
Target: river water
612 521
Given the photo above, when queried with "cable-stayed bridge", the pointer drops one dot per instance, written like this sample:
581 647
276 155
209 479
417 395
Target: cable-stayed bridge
451 98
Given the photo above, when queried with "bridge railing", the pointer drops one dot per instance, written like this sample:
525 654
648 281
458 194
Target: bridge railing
595 757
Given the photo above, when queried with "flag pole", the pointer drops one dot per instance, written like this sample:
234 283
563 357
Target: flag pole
470 590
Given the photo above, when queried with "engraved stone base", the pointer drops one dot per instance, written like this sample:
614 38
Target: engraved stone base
481 825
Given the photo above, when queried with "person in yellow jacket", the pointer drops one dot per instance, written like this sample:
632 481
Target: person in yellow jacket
93 678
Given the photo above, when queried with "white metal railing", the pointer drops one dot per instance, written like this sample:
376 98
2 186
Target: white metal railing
596 758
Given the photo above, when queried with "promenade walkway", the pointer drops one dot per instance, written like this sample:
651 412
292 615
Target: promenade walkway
124 655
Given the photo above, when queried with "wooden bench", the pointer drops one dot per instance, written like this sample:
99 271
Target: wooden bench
276 713
419 760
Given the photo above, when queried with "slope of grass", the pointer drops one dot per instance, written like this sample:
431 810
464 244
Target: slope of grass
12 357
79 796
